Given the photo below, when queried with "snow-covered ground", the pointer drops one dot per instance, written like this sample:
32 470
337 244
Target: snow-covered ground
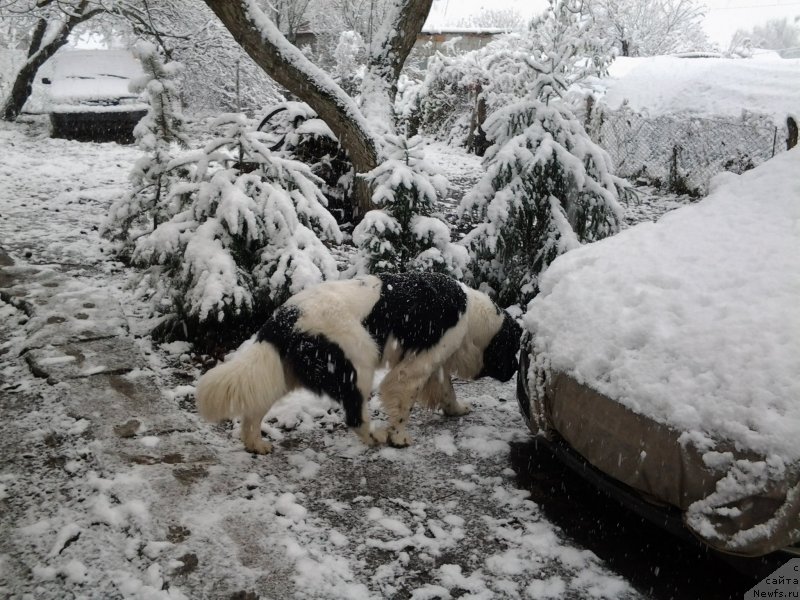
110 486
708 87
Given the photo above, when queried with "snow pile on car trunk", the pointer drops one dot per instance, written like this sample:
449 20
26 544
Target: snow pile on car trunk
693 321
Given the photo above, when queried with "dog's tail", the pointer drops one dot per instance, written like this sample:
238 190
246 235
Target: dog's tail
249 383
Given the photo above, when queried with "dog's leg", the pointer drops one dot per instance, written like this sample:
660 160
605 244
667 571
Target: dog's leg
370 438
399 391
251 433
360 358
439 393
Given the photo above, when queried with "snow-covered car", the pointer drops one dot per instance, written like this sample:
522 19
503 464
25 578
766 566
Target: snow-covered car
88 98
664 363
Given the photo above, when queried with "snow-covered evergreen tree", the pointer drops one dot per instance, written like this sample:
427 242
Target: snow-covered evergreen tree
350 55
403 234
548 187
160 135
248 231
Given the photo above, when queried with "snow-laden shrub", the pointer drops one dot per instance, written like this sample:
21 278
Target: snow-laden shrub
248 231
558 49
350 58
404 234
296 132
548 188
441 104
160 135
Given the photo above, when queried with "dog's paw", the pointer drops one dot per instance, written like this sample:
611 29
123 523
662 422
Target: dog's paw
259 447
379 436
399 438
370 438
456 410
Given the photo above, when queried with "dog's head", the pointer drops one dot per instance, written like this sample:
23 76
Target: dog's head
500 356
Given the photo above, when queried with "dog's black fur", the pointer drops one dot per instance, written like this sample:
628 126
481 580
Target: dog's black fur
319 364
416 308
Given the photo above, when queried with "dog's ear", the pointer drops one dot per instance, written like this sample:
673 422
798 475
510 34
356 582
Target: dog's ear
500 357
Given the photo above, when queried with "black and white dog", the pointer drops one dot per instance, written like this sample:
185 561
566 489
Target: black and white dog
332 337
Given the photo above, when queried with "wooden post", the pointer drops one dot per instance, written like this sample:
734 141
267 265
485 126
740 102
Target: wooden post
791 139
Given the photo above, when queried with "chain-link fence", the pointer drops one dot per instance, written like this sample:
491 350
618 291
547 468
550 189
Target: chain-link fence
682 152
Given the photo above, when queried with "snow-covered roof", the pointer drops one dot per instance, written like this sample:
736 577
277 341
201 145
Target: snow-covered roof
464 30
692 321
765 84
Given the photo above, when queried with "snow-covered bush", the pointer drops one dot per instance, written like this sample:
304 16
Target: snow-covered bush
297 133
403 234
248 230
160 135
350 57
558 49
441 105
548 187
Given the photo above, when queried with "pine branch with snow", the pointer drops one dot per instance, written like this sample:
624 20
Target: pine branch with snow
403 234
159 134
307 138
251 231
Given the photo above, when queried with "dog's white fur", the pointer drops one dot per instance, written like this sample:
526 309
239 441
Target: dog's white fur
254 378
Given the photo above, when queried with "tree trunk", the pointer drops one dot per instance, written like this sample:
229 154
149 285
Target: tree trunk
282 61
476 140
23 82
401 35
291 69
37 36
38 55
791 138
387 56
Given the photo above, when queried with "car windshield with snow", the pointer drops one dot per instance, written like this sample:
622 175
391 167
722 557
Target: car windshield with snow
667 358
88 96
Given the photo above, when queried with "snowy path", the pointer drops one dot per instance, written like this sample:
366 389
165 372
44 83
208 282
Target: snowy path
110 486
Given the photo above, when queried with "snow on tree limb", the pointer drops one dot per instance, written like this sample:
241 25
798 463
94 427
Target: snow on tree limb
357 130
284 62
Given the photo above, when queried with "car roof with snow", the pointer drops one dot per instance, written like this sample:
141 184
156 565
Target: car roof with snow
92 79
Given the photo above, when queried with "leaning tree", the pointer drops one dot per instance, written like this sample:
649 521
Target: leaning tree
358 127
54 22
